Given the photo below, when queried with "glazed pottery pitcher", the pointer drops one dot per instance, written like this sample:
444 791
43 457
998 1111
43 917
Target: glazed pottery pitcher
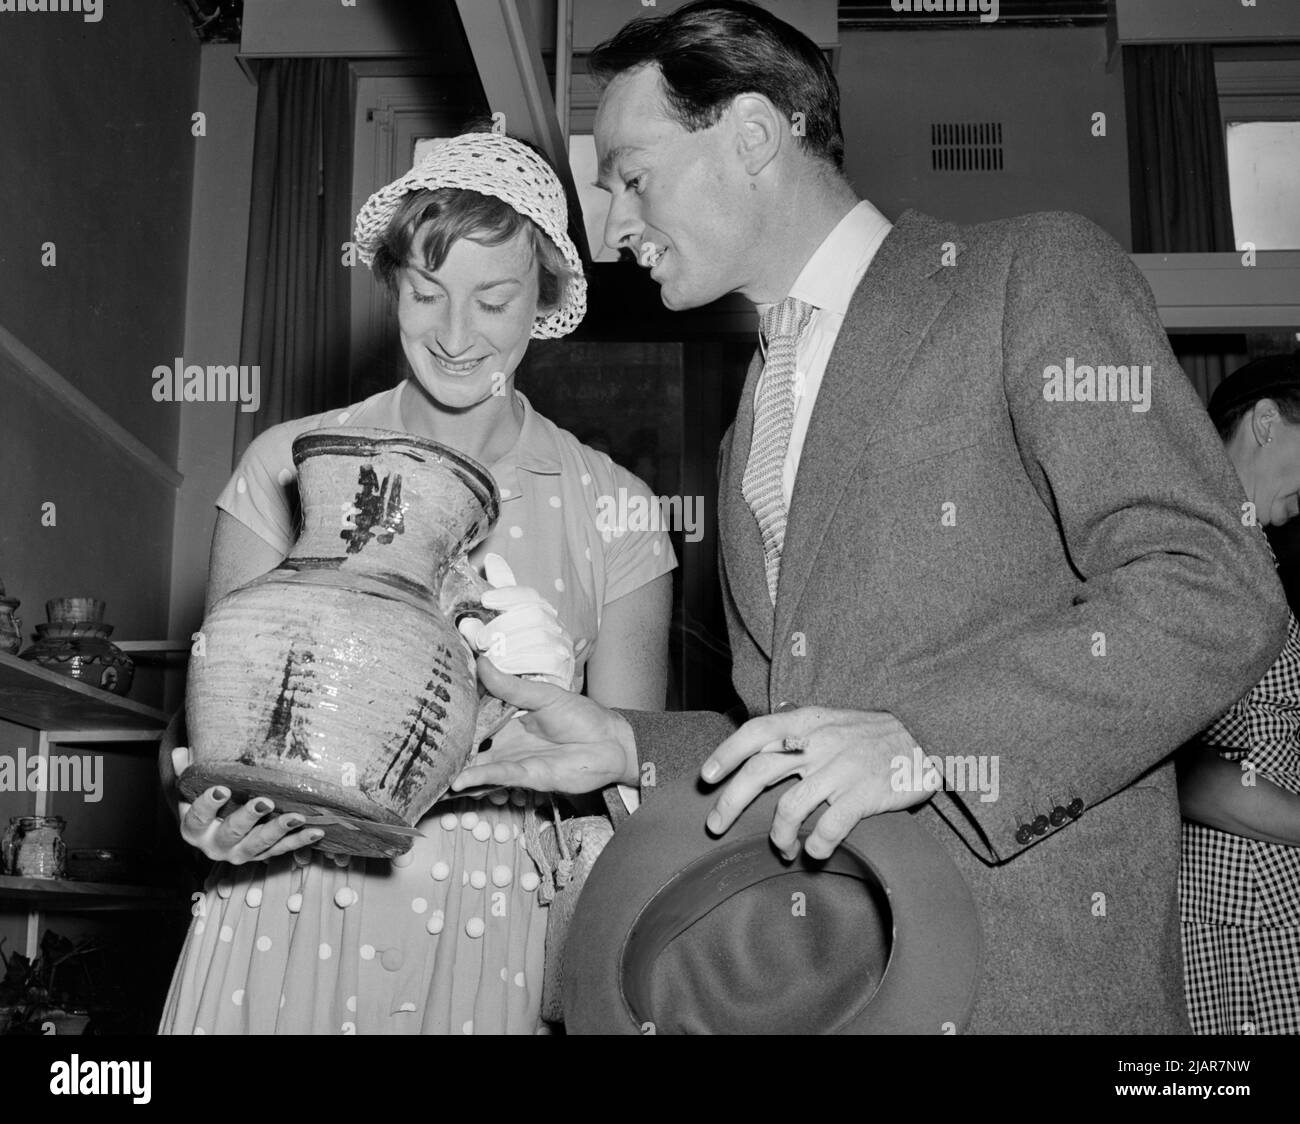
337 685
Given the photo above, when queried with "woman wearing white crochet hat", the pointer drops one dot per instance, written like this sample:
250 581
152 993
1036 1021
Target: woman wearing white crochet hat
449 938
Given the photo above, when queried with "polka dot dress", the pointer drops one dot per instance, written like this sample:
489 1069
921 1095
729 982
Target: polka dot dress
450 935
449 938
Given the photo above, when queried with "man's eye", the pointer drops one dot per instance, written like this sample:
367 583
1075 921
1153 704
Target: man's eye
634 183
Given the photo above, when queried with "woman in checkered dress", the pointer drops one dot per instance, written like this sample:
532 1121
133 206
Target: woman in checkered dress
1240 780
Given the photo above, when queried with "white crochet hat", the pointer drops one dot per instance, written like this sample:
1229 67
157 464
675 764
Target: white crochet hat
497 165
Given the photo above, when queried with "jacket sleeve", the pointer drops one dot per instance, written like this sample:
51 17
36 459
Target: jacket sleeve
1179 612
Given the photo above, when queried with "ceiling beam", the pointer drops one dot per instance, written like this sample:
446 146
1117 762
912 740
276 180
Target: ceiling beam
509 63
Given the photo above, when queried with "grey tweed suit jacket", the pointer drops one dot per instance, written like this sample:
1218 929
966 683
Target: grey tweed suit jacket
1069 586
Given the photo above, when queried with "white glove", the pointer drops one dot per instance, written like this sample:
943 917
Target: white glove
526 638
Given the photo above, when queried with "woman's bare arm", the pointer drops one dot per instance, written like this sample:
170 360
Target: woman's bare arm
629 666
238 556
1211 792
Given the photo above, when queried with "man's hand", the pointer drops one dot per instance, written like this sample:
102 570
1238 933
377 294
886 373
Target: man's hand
845 761
242 836
566 743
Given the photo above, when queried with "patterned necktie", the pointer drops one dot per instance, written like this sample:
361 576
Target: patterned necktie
773 420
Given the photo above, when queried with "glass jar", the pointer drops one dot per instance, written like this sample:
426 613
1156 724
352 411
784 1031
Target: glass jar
33 847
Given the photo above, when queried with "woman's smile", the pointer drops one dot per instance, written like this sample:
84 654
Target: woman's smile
459 367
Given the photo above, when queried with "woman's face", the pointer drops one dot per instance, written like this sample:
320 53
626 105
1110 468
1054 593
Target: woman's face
1272 476
466 325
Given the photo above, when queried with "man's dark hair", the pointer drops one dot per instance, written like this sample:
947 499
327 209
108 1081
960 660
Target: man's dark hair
1275 377
711 51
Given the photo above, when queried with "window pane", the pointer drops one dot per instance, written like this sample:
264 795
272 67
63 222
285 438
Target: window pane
1264 179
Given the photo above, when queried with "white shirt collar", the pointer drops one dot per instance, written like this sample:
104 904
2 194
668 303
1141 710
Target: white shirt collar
829 278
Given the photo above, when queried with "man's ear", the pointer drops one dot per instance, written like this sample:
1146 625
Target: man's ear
761 130
1263 416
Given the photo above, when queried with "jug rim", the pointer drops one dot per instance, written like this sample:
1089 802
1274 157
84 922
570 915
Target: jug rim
359 441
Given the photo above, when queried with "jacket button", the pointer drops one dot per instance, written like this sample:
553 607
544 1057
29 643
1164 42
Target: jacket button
1075 808
1023 834
1059 816
1039 826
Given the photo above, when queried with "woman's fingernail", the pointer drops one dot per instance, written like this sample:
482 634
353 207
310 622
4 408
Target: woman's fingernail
710 770
219 793
314 835
261 806
292 822
714 822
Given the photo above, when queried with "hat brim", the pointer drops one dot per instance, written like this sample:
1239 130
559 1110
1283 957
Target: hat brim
437 171
933 970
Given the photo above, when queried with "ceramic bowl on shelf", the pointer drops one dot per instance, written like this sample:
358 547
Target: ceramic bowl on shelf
77 645
75 609
11 625
58 630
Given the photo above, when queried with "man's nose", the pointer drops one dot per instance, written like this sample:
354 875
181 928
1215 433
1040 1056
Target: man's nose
623 225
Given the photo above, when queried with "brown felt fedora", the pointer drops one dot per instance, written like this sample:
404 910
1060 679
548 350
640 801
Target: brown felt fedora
679 932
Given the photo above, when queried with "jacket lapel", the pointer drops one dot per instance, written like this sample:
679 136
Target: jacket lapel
903 291
742 543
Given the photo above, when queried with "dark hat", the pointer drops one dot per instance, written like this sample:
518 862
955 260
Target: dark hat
678 932
1258 379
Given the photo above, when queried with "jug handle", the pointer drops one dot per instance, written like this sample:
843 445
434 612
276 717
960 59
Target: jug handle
459 597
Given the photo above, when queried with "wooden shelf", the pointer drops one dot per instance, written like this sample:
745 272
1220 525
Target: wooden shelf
54 894
151 646
31 695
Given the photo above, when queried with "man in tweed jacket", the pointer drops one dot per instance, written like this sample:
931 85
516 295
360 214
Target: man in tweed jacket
990 552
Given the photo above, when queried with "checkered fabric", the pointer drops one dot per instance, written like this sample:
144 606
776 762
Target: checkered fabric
1241 897
782 325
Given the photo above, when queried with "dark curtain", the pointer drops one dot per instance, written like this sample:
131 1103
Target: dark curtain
1178 179
296 302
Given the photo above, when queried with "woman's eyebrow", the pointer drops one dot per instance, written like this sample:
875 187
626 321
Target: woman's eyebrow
477 288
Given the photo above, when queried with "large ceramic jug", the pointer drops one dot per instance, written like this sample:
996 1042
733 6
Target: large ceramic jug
337 684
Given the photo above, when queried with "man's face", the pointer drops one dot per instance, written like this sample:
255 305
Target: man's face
1277 491
677 198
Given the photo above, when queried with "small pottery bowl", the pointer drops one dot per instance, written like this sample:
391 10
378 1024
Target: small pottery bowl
57 630
75 609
